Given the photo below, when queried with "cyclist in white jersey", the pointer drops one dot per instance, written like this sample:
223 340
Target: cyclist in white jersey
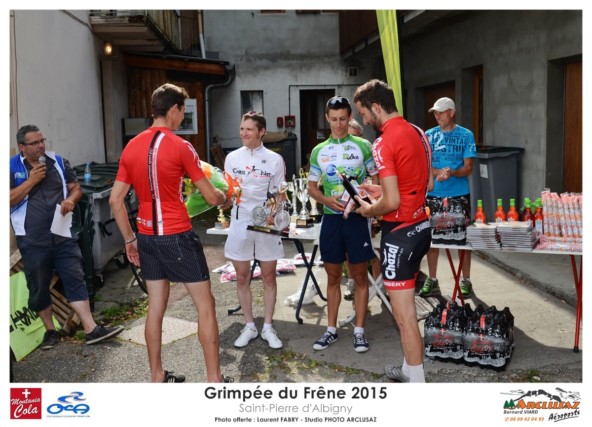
259 171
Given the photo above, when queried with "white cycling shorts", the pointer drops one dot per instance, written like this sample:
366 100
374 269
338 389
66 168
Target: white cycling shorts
247 245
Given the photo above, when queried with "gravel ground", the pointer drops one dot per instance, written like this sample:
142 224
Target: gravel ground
120 361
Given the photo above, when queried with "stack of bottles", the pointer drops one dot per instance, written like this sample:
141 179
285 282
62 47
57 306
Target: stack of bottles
562 227
449 224
483 336
444 329
489 336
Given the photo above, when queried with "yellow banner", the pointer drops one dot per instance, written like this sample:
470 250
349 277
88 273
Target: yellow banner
389 39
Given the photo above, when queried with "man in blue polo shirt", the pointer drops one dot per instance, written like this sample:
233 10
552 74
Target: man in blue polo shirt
39 181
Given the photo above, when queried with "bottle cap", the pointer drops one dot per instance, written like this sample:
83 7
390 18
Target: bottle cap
480 203
499 201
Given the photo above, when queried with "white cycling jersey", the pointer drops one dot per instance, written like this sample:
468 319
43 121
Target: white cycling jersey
258 171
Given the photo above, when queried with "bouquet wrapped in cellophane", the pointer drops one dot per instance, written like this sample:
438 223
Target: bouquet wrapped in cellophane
195 203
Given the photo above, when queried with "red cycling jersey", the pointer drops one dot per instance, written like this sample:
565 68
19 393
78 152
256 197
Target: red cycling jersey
172 158
401 151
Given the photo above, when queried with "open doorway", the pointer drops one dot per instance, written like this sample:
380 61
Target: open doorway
313 126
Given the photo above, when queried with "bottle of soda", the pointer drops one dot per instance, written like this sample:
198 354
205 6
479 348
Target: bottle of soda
538 216
480 214
513 213
499 214
527 213
87 173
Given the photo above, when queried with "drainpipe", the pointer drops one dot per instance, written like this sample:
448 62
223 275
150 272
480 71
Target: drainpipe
231 74
202 43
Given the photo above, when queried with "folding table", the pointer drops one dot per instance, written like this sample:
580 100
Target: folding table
298 236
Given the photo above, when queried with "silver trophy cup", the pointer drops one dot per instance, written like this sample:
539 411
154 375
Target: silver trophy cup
301 186
292 190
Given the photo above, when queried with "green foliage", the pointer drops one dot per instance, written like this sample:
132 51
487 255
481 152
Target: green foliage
122 313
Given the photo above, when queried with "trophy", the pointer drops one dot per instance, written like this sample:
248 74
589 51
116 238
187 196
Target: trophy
292 189
272 208
221 222
301 186
314 211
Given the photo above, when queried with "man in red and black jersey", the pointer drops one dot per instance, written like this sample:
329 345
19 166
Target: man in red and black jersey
155 163
403 159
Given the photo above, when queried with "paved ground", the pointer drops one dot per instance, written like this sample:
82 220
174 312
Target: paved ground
538 290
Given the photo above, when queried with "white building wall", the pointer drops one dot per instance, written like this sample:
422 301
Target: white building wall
278 54
55 82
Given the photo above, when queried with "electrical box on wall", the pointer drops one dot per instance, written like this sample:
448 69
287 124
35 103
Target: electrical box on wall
290 121
280 122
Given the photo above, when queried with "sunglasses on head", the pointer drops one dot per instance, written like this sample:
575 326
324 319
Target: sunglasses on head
338 102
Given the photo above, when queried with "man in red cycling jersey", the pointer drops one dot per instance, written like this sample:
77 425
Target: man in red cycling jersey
403 159
154 163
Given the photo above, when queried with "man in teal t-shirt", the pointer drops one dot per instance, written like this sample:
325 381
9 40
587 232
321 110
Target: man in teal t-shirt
453 151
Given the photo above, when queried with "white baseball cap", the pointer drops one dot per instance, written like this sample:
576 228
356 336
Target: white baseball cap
443 104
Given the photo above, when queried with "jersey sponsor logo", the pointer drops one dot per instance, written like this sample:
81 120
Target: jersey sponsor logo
251 170
350 157
331 170
390 284
390 260
377 154
419 228
324 158
260 172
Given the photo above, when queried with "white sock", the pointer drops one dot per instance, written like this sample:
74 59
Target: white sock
266 326
416 374
251 326
358 330
405 367
332 329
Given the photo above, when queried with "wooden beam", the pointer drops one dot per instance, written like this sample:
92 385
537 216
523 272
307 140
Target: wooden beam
174 65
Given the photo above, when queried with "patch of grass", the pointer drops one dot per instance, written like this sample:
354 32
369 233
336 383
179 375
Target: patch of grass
288 360
118 315
530 376
121 313
280 360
